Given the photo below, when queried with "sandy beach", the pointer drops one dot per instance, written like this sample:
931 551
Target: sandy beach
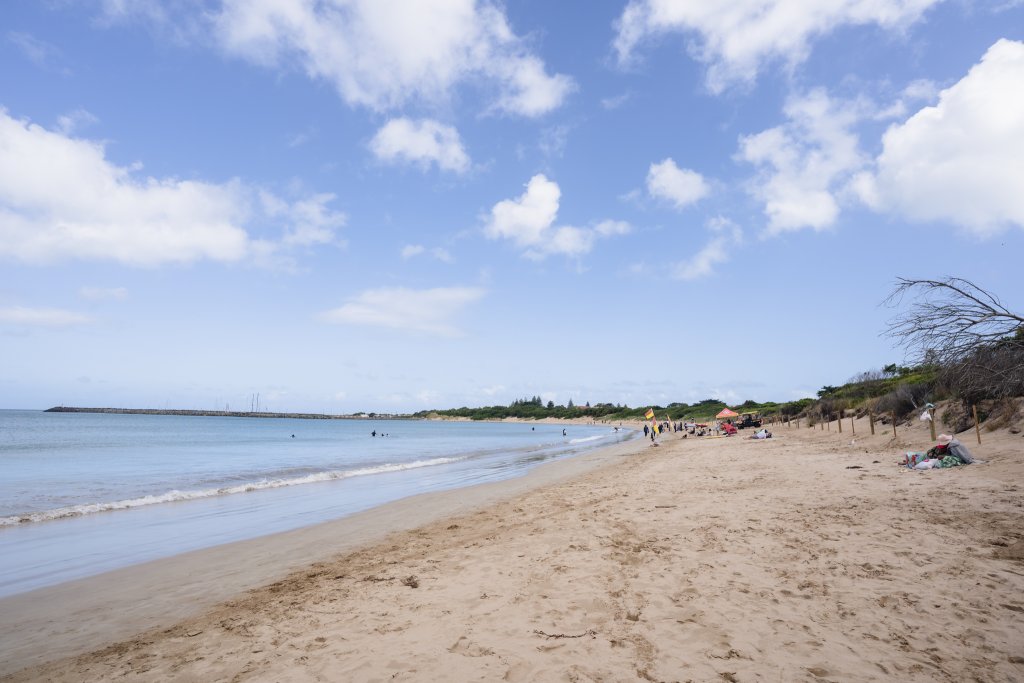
811 556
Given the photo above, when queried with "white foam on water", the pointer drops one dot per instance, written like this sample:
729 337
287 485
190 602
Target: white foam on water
175 495
588 439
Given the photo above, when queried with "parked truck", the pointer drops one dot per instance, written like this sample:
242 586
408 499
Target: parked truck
748 420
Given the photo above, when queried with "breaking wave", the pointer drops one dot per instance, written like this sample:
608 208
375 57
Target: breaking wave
588 439
175 495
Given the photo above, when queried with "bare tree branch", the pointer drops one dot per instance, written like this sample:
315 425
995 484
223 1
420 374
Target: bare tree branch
949 319
977 341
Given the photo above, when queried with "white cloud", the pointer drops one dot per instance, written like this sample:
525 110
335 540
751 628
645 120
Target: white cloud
553 141
75 120
442 255
19 316
428 396
727 237
804 162
735 38
425 310
616 101
61 199
610 227
492 390
103 293
41 53
921 90
422 143
959 160
439 253
680 186
307 221
529 222
383 54
527 219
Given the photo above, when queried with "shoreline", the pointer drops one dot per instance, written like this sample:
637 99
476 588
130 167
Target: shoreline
118 604
810 556
221 413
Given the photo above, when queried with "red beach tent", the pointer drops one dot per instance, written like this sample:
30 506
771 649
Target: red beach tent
726 413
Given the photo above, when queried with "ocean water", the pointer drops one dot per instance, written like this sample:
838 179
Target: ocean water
85 493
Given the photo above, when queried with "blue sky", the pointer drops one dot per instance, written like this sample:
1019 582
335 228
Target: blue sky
389 205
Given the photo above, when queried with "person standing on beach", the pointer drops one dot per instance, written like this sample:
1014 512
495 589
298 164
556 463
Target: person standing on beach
645 431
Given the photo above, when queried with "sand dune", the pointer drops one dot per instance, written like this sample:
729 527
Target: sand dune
812 556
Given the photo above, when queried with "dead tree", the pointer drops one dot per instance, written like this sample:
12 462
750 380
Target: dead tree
976 341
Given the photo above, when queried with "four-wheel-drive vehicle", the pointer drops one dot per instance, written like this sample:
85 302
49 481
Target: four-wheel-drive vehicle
748 420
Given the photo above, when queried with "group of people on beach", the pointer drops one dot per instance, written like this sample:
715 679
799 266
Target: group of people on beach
695 429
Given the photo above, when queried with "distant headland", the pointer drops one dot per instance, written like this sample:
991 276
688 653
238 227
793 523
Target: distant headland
227 413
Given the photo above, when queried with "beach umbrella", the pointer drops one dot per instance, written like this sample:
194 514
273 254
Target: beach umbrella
726 413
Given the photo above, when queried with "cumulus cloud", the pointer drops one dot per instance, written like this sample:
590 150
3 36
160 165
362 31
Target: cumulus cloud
680 186
804 163
20 316
61 199
384 53
422 143
428 311
529 222
959 160
307 221
726 237
735 38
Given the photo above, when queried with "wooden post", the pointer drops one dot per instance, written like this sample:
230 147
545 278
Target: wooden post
839 420
894 424
853 430
977 427
931 422
871 419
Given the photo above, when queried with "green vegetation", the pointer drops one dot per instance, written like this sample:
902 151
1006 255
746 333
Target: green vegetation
970 347
535 409
895 388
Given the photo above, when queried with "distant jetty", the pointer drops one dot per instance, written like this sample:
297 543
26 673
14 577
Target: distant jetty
225 413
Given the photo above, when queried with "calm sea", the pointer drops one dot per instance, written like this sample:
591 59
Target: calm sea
85 493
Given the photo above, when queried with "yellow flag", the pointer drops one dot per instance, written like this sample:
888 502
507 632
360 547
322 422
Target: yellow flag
649 414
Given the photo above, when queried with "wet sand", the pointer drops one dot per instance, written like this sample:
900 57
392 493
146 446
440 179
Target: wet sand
811 556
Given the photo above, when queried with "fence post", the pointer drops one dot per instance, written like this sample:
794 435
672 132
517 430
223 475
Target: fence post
894 424
871 419
839 420
977 427
853 430
931 422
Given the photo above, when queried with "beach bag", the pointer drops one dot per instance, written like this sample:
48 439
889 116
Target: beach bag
959 450
911 458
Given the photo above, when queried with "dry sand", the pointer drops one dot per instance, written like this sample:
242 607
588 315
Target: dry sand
811 556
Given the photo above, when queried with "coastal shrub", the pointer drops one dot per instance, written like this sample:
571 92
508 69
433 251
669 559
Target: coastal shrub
905 398
990 372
